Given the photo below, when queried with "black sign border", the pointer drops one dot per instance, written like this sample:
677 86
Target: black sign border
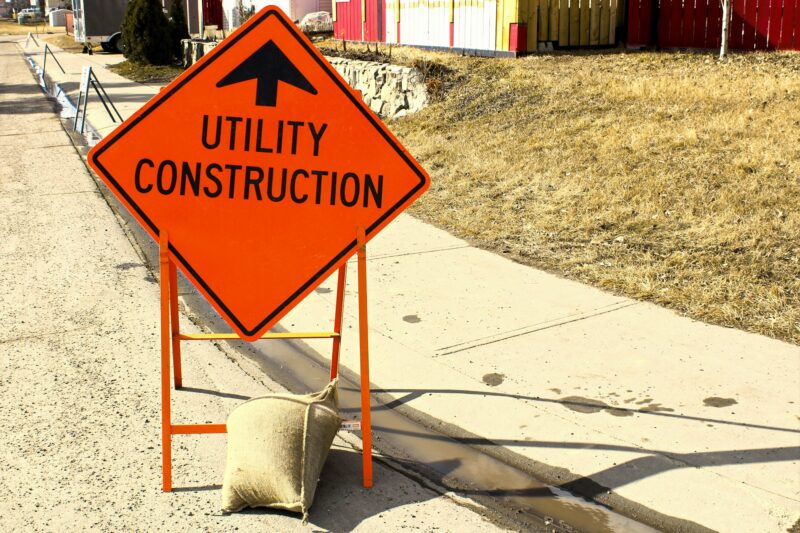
165 95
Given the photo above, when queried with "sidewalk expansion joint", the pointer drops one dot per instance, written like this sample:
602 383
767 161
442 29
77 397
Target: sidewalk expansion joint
49 146
35 195
66 193
421 252
534 328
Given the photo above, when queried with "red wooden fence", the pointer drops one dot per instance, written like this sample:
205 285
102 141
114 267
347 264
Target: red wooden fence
754 25
212 12
352 26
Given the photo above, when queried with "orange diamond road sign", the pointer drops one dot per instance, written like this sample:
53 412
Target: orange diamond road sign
260 163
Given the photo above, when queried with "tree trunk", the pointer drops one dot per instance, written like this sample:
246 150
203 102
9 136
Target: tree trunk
726 15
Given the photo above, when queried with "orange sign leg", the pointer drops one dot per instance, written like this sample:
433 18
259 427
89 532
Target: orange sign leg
337 321
176 331
366 419
166 425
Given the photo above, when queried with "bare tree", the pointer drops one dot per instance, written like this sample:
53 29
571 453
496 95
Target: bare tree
726 16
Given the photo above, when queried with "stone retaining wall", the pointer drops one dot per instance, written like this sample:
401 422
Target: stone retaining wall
193 50
391 91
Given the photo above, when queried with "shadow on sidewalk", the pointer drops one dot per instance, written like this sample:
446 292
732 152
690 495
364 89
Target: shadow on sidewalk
413 394
19 88
654 461
14 107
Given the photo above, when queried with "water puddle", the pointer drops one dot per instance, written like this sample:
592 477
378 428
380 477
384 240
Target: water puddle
716 401
580 404
494 379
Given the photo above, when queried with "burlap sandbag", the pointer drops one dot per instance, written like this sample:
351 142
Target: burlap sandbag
277 445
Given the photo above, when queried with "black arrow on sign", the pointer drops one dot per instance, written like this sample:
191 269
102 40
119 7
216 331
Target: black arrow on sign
268 65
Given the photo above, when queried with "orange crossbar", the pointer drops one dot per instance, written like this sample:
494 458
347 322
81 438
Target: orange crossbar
234 336
195 429
171 337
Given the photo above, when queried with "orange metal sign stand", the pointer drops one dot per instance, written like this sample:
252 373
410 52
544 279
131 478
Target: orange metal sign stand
171 338
262 149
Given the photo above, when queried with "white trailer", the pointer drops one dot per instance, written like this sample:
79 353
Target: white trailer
99 21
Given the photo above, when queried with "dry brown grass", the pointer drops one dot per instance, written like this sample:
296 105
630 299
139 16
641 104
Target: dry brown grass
68 43
665 177
12 27
159 74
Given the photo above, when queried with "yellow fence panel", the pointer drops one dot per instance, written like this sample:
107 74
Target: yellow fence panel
574 23
554 20
605 18
594 25
544 20
563 23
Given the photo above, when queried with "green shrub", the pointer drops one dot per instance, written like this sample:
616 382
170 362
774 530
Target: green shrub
145 31
177 27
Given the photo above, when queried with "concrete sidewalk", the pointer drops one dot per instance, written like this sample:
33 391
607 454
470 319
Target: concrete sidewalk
80 423
697 422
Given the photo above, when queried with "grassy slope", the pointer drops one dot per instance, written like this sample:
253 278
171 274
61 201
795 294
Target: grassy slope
662 176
